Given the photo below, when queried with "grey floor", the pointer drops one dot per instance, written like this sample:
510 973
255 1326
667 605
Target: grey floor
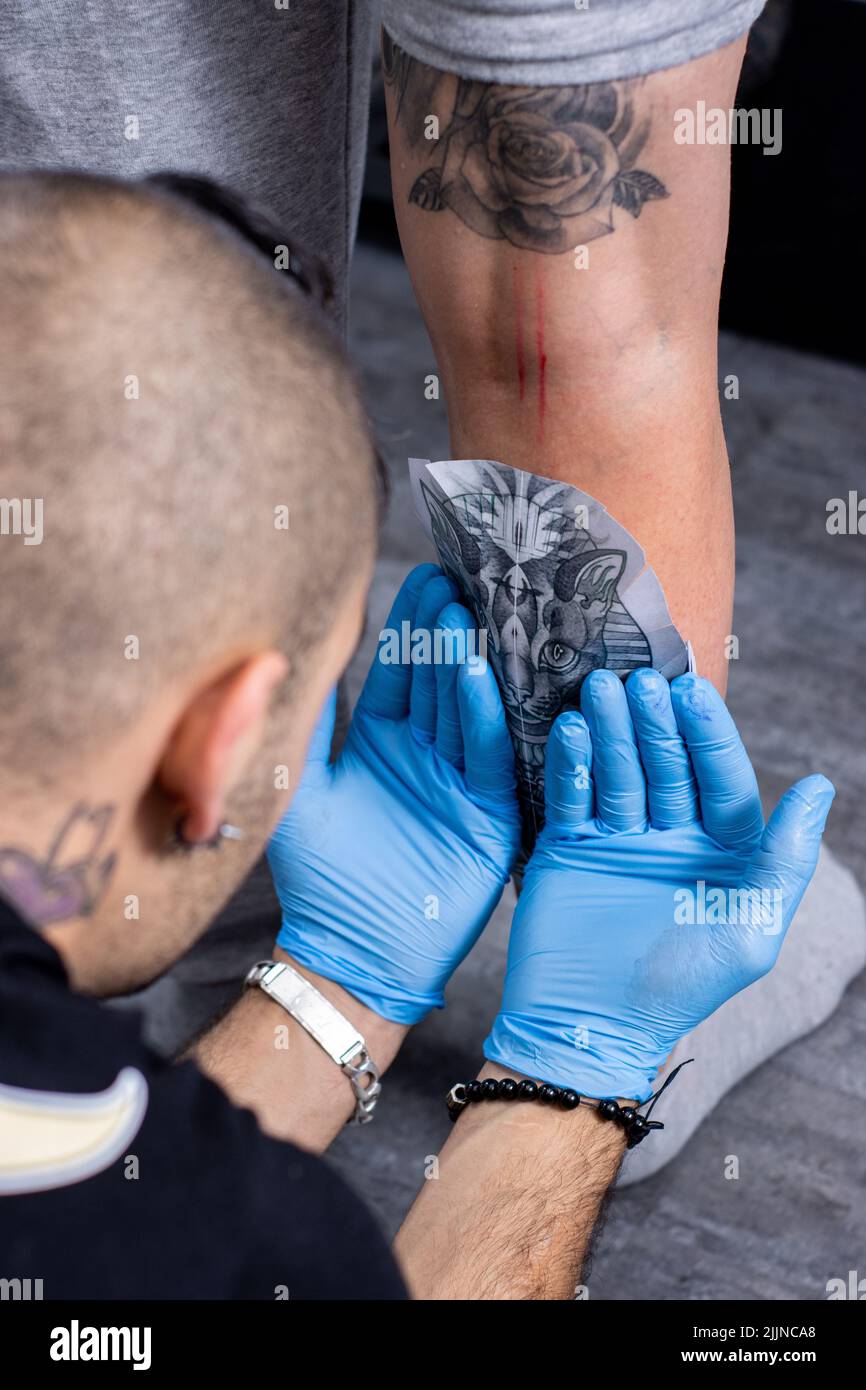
796 1217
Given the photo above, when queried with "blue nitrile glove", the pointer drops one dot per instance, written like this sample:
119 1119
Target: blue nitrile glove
617 949
390 861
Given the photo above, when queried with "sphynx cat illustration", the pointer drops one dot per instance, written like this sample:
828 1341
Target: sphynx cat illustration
547 595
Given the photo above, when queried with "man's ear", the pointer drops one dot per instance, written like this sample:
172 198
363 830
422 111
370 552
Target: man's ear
214 740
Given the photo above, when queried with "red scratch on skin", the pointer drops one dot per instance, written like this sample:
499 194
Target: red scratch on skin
541 355
518 331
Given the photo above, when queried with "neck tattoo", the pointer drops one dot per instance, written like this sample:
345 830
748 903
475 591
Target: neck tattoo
67 882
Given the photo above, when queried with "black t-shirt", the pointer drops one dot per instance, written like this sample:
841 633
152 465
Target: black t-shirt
122 1176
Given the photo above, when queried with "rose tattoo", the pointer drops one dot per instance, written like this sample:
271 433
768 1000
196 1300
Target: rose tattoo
541 167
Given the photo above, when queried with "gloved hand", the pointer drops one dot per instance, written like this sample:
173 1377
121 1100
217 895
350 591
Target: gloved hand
621 943
390 861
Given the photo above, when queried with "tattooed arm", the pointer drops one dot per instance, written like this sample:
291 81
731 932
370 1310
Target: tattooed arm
567 253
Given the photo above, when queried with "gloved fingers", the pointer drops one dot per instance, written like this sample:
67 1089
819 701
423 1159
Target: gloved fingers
620 784
453 642
786 857
568 790
316 774
386 690
438 591
487 748
319 747
672 792
728 789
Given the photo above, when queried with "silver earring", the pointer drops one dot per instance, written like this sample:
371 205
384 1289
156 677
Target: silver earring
231 832
225 832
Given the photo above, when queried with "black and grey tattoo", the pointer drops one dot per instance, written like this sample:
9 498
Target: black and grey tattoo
560 590
69 881
541 167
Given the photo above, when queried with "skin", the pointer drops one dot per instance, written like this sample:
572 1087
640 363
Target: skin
295 1089
203 754
520 1228
512 1210
509 1210
603 376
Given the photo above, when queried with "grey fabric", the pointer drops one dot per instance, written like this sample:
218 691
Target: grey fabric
273 102
553 41
270 101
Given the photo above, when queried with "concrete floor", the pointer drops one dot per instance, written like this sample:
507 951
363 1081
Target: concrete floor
797 1215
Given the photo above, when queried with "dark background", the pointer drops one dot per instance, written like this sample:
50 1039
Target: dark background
798 219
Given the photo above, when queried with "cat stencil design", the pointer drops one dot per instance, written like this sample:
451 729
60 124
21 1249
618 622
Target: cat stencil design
547 595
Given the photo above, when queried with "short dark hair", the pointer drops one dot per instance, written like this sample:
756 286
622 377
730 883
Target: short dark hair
165 393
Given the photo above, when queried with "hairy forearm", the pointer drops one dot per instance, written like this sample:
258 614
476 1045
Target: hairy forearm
268 1063
511 1211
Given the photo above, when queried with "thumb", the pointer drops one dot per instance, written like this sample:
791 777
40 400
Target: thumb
788 852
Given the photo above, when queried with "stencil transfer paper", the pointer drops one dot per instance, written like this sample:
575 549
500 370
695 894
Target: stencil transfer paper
560 587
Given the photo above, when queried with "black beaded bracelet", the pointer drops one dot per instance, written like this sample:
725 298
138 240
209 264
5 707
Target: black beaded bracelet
628 1117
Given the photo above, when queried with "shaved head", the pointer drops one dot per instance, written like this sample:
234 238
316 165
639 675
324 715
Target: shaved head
184 422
